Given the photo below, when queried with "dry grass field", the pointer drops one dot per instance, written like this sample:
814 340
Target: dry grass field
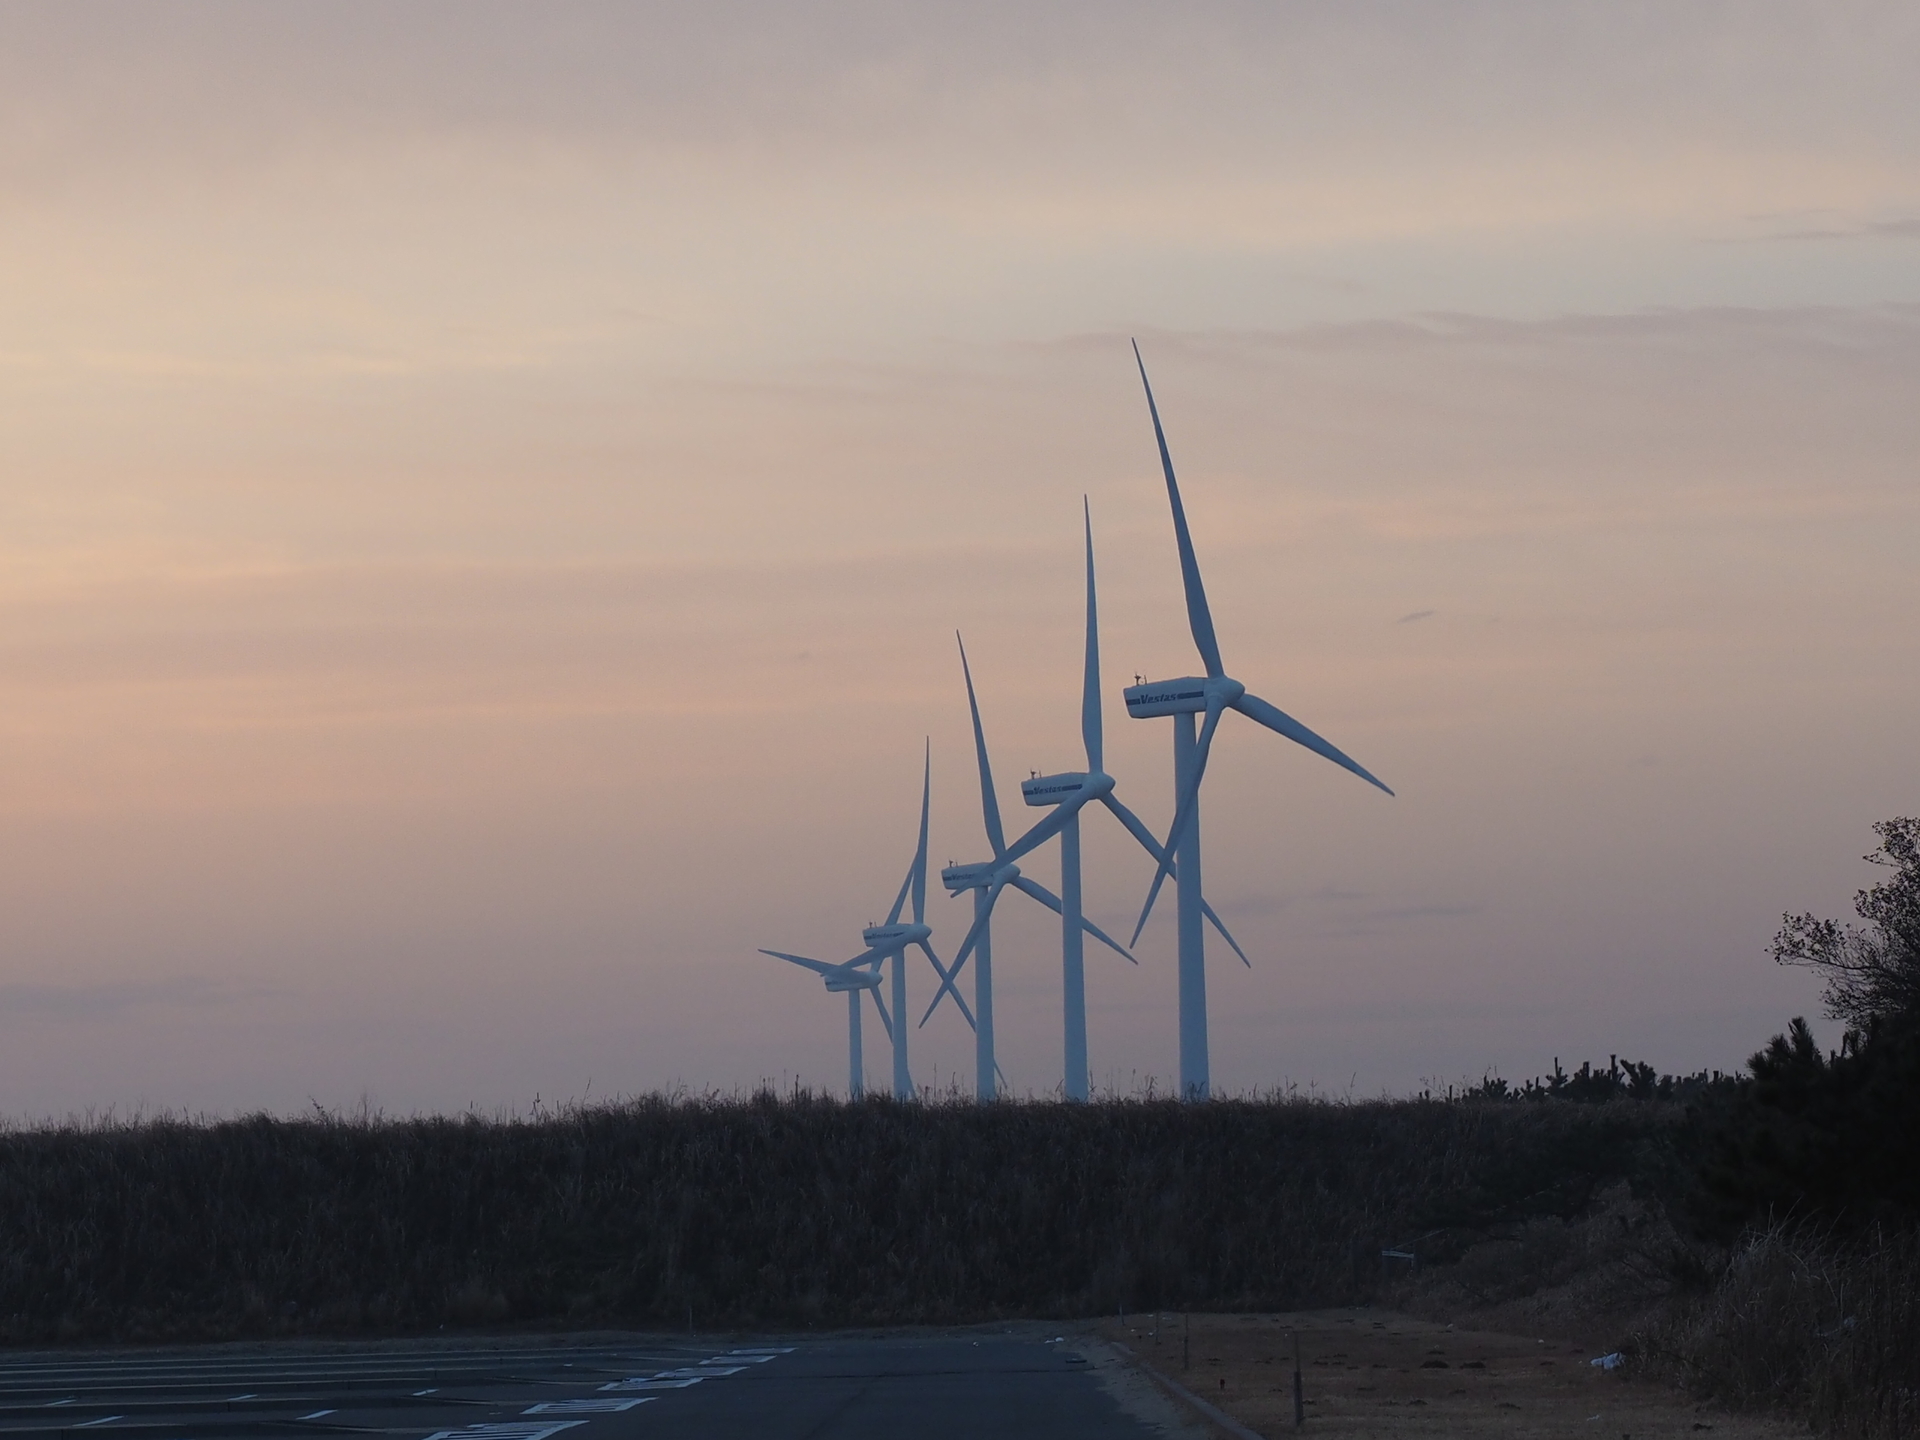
1380 1375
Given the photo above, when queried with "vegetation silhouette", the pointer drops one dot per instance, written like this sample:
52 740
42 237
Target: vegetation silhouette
1834 1136
772 1210
1872 971
1811 1179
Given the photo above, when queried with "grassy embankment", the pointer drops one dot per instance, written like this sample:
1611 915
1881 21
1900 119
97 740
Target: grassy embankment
792 1211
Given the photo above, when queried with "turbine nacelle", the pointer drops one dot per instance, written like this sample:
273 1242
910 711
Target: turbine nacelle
1190 695
1068 788
888 938
958 878
843 978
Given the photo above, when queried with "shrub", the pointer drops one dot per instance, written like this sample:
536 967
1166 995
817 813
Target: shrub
1805 1322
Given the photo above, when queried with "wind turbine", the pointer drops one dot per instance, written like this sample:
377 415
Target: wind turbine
1069 793
1210 695
980 878
852 979
890 941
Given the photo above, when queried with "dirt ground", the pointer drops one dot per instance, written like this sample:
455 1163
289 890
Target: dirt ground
1375 1373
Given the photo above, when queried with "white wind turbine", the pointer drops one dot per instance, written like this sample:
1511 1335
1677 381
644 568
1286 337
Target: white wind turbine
1183 699
980 879
1069 793
852 979
890 941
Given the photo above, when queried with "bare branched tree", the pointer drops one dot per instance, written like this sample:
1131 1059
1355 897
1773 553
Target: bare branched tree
1872 971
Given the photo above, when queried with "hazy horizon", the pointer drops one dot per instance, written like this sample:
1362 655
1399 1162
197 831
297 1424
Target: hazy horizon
491 489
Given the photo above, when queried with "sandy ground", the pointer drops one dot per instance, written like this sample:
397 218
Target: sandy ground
1375 1373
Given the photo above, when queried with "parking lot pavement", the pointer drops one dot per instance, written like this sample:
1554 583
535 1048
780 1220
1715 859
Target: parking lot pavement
999 1386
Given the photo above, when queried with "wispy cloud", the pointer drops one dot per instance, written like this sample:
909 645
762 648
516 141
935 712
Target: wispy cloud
1830 226
112 998
1424 912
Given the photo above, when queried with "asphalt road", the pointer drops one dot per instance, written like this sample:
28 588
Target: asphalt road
969 1386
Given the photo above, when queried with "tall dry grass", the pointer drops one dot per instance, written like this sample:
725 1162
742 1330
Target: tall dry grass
770 1210
1803 1320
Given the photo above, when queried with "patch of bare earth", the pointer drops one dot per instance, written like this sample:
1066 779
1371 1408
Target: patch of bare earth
1368 1373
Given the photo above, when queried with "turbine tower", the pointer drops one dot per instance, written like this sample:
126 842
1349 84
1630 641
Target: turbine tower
1069 793
890 941
1183 699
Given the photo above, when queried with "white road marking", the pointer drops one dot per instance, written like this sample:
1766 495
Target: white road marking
101 1421
533 1430
585 1406
314 1416
652 1383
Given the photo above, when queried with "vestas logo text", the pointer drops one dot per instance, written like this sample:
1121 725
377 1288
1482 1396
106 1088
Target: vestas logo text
1163 696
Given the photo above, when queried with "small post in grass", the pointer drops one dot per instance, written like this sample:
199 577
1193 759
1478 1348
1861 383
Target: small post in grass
1299 1398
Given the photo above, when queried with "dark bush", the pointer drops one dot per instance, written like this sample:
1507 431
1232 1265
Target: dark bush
1802 1322
1833 1136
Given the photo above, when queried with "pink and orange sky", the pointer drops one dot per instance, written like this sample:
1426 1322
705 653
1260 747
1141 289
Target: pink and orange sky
486 493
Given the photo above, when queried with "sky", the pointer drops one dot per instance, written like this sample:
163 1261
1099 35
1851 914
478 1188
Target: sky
487 494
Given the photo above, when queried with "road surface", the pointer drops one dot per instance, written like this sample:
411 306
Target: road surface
969 1385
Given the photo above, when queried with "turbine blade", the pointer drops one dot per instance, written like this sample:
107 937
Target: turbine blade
900 900
946 981
950 978
1090 730
1107 940
1045 830
1225 934
1199 617
1153 894
880 1005
1135 826
1277 720
920 855
1145 837
1047 898
819 967
1039 892
1182 815
989 803
1190 802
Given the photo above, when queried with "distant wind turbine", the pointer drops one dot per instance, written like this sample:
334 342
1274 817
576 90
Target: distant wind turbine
851 978
1183 699
890 941
1068 793
980 878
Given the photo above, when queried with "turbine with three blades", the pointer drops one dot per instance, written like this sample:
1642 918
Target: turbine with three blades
1210 695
